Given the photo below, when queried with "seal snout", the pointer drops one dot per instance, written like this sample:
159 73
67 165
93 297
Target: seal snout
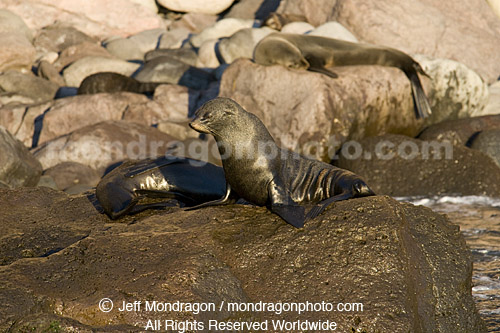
362 190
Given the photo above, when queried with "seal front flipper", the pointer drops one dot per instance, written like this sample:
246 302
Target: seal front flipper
420 101
323 70
316 210
227 199
283 205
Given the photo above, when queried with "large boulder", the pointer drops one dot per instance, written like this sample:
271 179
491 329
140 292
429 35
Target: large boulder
99 19
17 166
408 267
101 145
68 174
489 143
36 88
313 113
429 27
401 166
10 22
58 37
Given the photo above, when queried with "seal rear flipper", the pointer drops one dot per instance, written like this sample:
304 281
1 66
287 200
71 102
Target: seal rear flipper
316 210
421 103
292 214
226 200
323 70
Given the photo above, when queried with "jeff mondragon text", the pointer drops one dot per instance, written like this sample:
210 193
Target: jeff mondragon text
277 308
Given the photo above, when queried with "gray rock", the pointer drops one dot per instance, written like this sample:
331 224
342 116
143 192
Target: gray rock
194 22
10 22
16 52
47 181
186 55
134 47
397 165
334 30
57 37
36 88
242 43
49 72
166 69
252 9
297 28
207 57
393 258
174 38
460 131
78 189
493 105
101 145
17 166
80 69
68 174
222 28
79 51
489 143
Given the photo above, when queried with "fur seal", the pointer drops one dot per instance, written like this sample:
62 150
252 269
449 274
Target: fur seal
109 82
317 53
257 170
189 181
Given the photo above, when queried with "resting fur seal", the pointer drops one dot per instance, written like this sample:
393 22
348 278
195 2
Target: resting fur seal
317 53
189 181
109 82
257 170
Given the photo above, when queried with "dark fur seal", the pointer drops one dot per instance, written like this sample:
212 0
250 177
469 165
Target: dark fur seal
109 82
186 180
257 170
317 53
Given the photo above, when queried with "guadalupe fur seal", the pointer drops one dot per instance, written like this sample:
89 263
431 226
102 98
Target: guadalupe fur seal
317 53
257 170
109 82
189 181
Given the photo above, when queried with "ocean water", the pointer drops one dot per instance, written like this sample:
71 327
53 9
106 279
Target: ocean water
479 221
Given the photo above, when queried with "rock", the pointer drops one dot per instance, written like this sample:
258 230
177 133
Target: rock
79 51
49 72
16 52
8 99
134 47
196 6
207 57
334 30
17 166
186 55
391 257
312 113
242 43
460 131
297 28
488 142
427 27
397 165
20 120
495 6
114 17
10 22
36 88
194 22
166 69
178 130
58 37
148 4
493 105
455 92
174 38
101 145
78 189
252 9
47 181
222 28
177 101
71 113
68 174
80 69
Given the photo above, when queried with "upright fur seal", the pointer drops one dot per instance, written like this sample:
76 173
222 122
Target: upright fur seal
110 82
317 53
189 181
257 170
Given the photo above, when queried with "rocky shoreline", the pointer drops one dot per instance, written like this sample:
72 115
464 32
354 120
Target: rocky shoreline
409 266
